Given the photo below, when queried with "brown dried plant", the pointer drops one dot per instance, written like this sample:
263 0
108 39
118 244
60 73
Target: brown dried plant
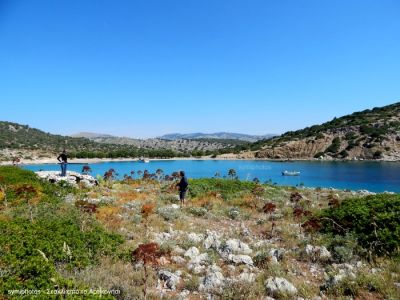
148 254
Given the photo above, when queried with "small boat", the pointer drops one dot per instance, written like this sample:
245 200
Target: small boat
290 173
144 160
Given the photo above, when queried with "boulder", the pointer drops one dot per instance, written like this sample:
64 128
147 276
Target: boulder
318 253
170 279
73 178
276 255
195 237
212 240
178 260
200 259
197 260
278 285
192 252
213 279
247 277
235 246
240 259
162 237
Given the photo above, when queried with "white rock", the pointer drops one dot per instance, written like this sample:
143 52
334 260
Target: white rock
240 259
162 237
178 260
184 295
170 279
195 237
197 269
318 253
213 279
175 206
276 255
277 285
236 246
200 259
178 250
247 277
212 240
192 252
72 178
261 243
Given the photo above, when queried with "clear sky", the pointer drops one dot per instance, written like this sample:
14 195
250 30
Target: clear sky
145 68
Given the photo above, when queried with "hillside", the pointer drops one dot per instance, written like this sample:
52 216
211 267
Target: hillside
216 136
28 143
369 134
24 142
180 145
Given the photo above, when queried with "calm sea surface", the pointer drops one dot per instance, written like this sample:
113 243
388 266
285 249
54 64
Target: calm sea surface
372 176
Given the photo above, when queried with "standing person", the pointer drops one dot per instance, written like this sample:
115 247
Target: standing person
63 159
183 186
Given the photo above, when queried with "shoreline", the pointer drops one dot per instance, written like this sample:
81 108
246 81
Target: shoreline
40 161
104 160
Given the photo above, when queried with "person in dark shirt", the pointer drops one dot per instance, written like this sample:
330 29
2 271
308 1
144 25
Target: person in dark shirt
63 159
183 186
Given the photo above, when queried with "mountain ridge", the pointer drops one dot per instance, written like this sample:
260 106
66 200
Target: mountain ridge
216 135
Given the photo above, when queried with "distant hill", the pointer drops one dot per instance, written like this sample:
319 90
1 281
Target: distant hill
17 140
22 141
91 135
369 134
216 135
155 143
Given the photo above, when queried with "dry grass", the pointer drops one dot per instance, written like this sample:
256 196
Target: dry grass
109 216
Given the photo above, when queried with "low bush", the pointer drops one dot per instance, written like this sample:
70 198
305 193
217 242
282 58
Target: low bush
227 188
169 213
373 220
30 251
198 211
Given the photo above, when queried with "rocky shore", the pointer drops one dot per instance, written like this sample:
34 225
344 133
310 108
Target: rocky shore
73 178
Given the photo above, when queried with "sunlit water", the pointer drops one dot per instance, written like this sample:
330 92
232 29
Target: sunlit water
372 176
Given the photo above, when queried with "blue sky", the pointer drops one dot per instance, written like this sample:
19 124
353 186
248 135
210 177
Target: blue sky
145 68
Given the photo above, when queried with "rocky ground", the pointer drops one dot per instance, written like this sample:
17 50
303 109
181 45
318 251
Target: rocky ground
226 246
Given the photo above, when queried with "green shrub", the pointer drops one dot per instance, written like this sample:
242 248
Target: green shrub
373 220
233 213
40 233
31 250
319 154
169 213
14 179
343 247
335 146
377 154
227 188
343 154
198 211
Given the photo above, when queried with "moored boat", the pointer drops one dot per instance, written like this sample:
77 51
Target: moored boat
290 173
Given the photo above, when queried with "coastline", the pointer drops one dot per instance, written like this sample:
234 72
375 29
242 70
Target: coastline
40 161
49 161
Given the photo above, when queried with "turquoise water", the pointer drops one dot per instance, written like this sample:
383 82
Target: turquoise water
372 176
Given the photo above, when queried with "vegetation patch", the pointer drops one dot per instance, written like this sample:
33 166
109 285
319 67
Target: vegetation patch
373 220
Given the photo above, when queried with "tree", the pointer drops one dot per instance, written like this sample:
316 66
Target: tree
159 174
232 173
86 169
